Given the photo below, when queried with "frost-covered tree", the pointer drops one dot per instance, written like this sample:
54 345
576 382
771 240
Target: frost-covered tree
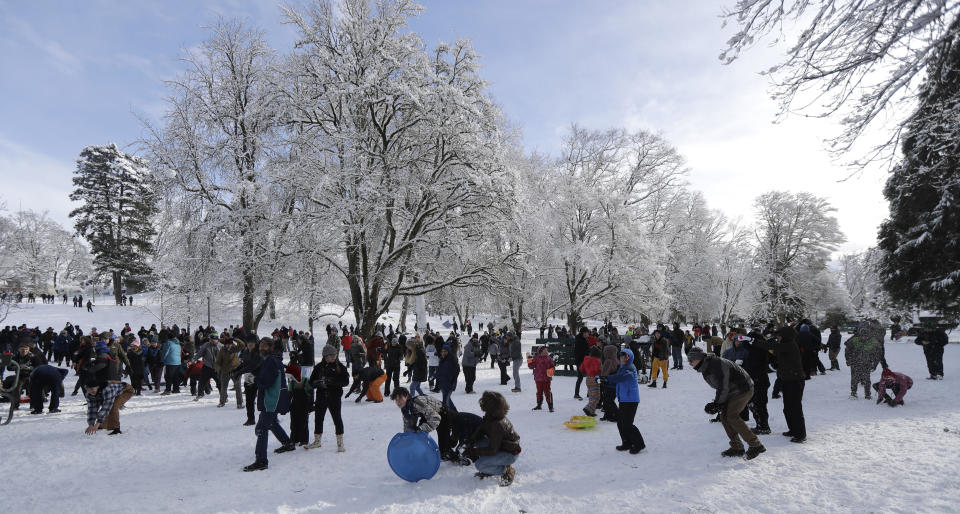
38 254
221 151
795 234
116 197
601 202
859 274
734 272
399 152
855 59
920 239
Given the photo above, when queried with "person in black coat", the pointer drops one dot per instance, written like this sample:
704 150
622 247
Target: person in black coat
933 340
447 375
756 366
328 380
393 354
580 348
791 375
833 346
250 360
46 378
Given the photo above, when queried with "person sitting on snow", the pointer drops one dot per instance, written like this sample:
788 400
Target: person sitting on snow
897 382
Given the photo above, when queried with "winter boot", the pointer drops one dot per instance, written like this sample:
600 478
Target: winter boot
256 466
550 406
287 447
853 395
733 452
340 448
664 384
753 451
653 384
760 430
590 411
115 431
250 423
538 407
315 443
507 478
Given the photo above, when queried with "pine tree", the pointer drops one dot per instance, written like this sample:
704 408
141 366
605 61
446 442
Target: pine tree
921 238
116 197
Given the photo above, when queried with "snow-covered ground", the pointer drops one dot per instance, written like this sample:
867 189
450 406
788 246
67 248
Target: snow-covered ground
176 455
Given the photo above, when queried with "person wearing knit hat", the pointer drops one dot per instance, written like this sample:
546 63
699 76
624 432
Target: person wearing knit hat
734 389
328 378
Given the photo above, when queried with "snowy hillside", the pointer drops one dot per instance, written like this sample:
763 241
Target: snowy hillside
176 455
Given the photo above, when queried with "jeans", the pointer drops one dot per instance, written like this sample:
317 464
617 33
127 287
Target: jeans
677 356
432 375
266 424
495 464
516 373
447 401
415 388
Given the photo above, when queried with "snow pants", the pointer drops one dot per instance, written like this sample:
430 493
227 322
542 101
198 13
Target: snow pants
299 416
629 433
393 374
266 424
758 404
858 377
327 402
934 355
543 390
793 407
373 389
470 376
659 366
609 397
734 425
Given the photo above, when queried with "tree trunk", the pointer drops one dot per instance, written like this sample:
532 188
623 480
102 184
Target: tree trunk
573 321
248 303
117 282
402 325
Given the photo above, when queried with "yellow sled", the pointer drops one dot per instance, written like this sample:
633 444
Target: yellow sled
580 422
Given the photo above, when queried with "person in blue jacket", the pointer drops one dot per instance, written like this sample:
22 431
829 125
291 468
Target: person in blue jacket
171 361
628 394
447 376
61 348
272 399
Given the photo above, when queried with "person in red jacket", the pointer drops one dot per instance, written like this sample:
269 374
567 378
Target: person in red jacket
591 369
896 382
542 366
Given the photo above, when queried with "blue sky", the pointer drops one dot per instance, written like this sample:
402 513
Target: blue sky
75 74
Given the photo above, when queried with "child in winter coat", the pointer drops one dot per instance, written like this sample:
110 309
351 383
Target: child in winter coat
897 382
135 356
628 393
328 378
301 394
543 366
496 444
591 369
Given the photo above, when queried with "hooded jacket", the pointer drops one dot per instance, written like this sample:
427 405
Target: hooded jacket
470 351
725 376
171 353
422 413
449 371
625 379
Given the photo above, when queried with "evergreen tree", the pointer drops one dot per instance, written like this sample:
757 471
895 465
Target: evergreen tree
921 238
114 216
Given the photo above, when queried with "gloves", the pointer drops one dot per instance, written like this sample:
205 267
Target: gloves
603 380
711 408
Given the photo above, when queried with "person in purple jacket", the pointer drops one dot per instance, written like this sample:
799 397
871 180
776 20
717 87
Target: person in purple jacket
896 382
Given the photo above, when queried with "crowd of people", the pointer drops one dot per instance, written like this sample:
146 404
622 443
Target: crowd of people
279 374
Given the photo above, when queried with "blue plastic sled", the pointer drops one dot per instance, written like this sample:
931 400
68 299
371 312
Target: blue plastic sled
413 456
